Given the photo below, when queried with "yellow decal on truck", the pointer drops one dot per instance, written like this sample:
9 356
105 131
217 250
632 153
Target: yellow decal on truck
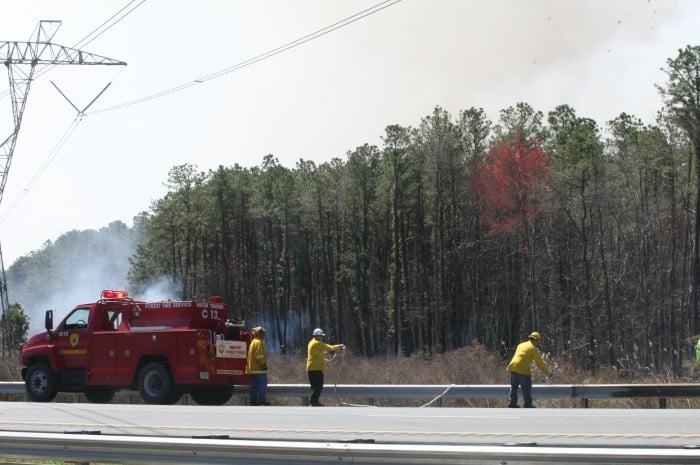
73 351
74 339
231 349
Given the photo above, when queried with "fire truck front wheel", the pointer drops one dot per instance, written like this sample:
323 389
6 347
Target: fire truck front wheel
156 384
40 383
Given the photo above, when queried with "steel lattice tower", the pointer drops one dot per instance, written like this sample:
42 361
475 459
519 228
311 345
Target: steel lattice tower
22 60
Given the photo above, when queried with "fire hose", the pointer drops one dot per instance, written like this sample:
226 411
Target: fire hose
330 356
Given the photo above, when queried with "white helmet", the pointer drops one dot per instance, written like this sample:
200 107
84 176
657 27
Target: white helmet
319 332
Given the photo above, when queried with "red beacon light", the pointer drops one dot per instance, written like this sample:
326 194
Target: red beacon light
109 294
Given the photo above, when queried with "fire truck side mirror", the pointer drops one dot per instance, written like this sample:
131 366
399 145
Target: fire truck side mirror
48 320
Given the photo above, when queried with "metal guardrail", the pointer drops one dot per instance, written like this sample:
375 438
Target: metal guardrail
581 392
12 387
493 391
584 392
87 448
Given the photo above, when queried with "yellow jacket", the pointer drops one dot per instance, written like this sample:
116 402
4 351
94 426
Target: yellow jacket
316 360
525 354
257 357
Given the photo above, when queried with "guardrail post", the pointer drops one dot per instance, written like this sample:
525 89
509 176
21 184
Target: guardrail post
662 402
584 402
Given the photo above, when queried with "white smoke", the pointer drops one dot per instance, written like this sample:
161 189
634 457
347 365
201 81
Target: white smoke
162 288
71 271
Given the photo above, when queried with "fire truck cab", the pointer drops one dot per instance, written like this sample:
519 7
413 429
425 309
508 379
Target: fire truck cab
162 349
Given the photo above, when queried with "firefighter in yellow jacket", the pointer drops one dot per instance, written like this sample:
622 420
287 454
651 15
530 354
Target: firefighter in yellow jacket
256 367
520 369
316 363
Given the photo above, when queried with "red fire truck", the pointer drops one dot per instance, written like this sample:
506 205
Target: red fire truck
162 349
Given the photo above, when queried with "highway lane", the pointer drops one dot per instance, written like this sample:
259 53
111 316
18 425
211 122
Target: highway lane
463 426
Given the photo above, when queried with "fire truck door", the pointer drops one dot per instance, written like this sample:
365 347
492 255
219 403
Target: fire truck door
72 340
103 346
126 357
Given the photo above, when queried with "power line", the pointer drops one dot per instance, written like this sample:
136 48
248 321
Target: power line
283 48
44 166
98 31
108 24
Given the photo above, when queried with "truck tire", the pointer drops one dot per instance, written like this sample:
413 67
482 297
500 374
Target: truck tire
212 395
156 384
99 395
40 383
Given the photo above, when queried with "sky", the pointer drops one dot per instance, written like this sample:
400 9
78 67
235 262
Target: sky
315 101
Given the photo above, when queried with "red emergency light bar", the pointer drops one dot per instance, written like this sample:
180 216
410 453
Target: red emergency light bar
109 294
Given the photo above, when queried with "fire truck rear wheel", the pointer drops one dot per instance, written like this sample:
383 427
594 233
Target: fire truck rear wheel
156 384
40 383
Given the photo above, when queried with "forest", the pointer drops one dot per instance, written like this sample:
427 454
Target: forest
460 231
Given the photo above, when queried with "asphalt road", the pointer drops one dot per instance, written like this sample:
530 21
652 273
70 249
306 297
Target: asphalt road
464 426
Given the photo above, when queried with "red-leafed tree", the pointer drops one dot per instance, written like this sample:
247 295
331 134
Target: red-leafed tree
511 183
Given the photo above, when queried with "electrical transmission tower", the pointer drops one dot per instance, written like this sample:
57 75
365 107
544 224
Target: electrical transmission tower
22 60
